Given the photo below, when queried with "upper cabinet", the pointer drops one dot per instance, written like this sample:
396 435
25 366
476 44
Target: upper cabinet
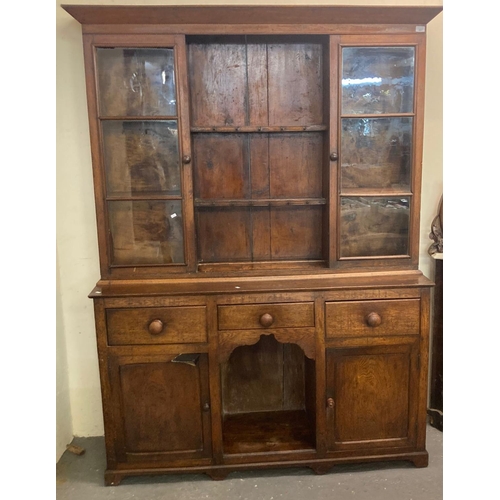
249 147
258 136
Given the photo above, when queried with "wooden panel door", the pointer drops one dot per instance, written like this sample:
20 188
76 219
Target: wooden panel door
372 396
160 409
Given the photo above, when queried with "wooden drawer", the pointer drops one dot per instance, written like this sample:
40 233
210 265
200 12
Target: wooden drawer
261 316
372 318
157 325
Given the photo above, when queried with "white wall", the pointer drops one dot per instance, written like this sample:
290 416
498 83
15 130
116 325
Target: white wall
64 430
78 264
432 172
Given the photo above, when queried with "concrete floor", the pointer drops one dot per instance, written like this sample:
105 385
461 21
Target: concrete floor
81 478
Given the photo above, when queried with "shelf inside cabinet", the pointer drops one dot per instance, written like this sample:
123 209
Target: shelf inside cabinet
265 202
259 128
269 431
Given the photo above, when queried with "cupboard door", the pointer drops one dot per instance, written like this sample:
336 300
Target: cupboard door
380 131
161 408
372 396
140 140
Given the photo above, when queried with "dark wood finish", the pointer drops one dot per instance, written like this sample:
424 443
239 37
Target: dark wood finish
260 303
185 151
252 378
260 432
348 286
251 29
295 163
295 84
229 340
436 383
223 234
276 202
296 233
220 166
225 15
423 366
156 327
218 84
266 376
245 84
260 128
246 317
372 318
266 320
330 173
418 458
159 409
166 325
373 396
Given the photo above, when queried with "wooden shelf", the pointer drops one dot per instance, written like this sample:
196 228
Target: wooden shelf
256 129
265 202
267 432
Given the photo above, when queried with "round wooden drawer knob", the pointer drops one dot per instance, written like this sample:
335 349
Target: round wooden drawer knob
155 327
266 320
373 319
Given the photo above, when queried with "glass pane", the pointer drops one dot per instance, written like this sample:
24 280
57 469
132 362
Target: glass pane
141 157
377 80
376 152
136 82
374 226
146 232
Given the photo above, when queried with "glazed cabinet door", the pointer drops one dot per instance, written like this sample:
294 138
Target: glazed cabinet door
380 130
372 396
161 409
141 153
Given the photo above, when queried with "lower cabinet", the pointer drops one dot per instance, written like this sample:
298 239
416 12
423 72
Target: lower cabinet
372 396
235 382
160 406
